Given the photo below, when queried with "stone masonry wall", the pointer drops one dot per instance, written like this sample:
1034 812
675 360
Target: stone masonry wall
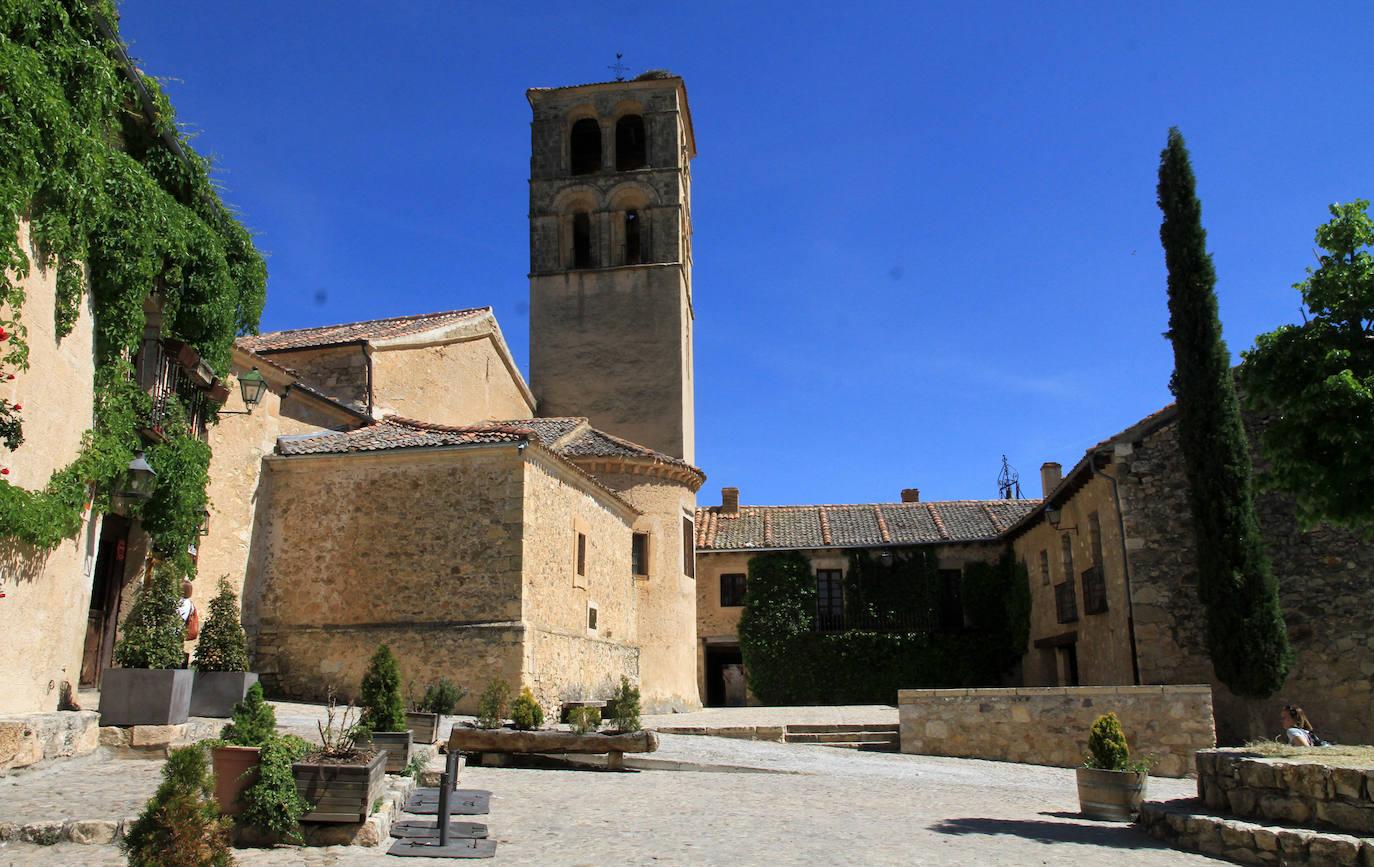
340 372
561 666
1324 578
1050 725
459 382
1288 791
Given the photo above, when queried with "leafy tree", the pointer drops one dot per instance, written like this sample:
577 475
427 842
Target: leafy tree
381 694
223 645
1319 378
181 825
153 632
1246 637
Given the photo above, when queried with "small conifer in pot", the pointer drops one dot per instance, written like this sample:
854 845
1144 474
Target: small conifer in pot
223 645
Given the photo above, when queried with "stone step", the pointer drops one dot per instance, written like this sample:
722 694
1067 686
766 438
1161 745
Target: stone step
1188 824
833 737
864 746
843 727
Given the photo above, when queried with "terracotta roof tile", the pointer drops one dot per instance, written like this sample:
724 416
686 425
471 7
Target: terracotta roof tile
397 433
858 526
373 329
574 437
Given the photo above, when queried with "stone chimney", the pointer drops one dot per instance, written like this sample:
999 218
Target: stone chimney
1050 475
729 501
911 495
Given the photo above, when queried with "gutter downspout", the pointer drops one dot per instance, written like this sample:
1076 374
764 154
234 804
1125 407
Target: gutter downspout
367 353
1125 568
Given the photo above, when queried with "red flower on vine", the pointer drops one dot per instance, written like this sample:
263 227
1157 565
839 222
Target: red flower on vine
5 471
17 407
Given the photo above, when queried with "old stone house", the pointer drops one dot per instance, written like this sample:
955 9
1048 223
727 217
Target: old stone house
729 535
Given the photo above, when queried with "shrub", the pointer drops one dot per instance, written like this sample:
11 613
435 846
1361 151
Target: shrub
153 631
624 706
181 824
254 722
1107 745
494 705
273 804
336 733
222 646
381 694
526 712
585 720
441 697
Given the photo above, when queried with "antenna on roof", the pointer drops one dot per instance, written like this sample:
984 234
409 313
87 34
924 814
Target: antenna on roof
619 68
1008 482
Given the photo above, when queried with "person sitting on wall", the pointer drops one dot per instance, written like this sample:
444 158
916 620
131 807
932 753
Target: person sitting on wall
1297 729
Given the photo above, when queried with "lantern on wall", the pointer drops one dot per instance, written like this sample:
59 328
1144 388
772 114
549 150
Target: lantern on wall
139 480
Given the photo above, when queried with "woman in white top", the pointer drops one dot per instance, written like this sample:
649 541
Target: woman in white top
1296 727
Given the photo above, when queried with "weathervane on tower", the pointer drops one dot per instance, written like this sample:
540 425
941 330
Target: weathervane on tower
619 68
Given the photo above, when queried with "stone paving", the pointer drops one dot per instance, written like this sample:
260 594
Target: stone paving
808 805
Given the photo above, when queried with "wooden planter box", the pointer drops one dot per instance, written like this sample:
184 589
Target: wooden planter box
145 696
231 765
424 726
395 745
216 692
340 793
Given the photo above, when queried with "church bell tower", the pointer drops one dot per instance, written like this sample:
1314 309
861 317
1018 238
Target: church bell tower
611 258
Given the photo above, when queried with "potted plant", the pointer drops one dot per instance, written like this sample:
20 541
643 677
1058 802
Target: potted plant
1110 786
149 687
222 678
383 725
338 779
623 707
494 705
526 713
439 701
236 753
273 805
181 823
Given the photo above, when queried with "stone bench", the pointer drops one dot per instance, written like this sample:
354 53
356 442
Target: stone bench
511 741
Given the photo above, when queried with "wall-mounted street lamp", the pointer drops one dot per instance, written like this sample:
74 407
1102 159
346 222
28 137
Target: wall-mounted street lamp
252 386
139 481
1056 517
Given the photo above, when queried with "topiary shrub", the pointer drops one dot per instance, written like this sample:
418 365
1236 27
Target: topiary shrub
1107 747
254 722
223 645
153 632
526 712
584 720
181 824
624 706
494 705
381 694
441 697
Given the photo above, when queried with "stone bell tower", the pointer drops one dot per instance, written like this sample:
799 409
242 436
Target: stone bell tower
611 258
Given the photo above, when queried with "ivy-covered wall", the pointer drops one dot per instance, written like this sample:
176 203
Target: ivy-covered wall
119 207
787 662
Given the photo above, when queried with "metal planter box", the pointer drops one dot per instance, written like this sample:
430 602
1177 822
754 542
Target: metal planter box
216 692
145 696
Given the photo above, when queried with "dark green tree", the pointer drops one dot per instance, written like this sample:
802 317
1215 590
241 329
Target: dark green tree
152 634
223 645
181 825
381 694
1319 378
1246 637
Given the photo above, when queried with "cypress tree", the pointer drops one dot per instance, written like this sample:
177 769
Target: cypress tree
1246 637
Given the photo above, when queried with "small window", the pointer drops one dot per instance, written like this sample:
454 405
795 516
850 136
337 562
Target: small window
639 555
582 240
633 249
1066 548
585 147
689 549
1095 537
829 600
629 143
732 590
591 616
1044 567
581 553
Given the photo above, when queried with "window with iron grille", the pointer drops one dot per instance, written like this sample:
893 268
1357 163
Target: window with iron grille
1066 550
639 555
581 554
1065 605
689 549
732 590
829 599
1094 591
1044 567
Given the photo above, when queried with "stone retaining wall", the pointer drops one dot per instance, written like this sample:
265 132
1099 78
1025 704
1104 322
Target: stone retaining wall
31 738
1178 824
1049 725
1287 790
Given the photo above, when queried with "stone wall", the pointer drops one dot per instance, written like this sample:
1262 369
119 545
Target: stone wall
561 666
1324 577
342 372
1050 725
1312 793
47 593
457 382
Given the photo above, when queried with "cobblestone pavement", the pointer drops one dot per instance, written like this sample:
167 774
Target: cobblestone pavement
820 806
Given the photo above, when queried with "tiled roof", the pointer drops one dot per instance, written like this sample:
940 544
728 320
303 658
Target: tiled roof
574 437
373 329
856 526
397 433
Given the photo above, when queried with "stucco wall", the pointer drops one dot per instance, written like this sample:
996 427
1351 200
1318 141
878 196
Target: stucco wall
47 594
376 547
1050 725
1099 638
455 383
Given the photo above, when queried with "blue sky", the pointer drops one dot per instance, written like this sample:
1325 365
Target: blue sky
925 233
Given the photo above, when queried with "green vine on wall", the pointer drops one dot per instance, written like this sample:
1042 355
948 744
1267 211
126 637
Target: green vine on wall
116 216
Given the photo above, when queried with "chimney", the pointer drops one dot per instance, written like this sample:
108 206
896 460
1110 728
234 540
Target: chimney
911 495
729 501
1050 475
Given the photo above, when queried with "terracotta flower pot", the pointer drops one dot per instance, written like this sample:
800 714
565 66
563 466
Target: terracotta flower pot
1113 796
236 771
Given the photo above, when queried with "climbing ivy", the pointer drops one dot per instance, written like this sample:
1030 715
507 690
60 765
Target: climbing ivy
115 215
